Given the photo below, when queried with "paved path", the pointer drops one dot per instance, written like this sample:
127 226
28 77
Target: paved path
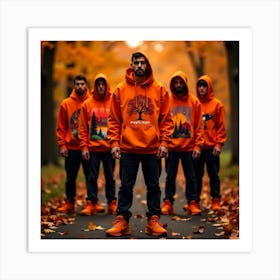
180 225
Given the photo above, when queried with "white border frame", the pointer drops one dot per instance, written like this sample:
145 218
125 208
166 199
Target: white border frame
243 35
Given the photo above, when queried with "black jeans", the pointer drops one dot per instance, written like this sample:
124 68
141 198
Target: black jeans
172 163
108 167
213 167
72 166
150 167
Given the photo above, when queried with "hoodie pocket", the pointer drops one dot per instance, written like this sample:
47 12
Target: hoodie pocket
140 137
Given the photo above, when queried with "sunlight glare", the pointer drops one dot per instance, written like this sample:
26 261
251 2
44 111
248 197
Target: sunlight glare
133 44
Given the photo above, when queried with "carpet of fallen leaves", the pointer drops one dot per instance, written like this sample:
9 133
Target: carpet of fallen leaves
225 221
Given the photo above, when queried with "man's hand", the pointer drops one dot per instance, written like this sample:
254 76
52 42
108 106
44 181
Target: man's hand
64 152
196 154
85 155
162 152
216 151
116 152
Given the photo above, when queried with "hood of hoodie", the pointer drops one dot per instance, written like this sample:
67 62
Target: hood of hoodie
94 90
210 93
78 98
130 77
183 76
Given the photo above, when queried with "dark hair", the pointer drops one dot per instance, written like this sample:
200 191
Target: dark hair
137 55
80 77
202 83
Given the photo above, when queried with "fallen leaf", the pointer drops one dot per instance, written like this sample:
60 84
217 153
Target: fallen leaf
177 218
175 233
91 226
99 228
138 216
217 225
63 233
187 237
212 219
219 233
200 229
228 228
46 230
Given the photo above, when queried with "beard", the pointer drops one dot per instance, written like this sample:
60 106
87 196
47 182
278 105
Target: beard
80 91
139 73
180 91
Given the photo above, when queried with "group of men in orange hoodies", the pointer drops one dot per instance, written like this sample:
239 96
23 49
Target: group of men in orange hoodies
141 123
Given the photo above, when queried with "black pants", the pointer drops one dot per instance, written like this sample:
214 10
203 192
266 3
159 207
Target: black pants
108 168
72 166
213 166
150 167
172 163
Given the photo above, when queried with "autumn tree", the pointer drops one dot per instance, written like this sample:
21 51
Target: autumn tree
233 72
49 155
140 104
196 52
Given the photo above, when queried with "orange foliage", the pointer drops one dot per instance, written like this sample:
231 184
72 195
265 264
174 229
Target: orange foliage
113 57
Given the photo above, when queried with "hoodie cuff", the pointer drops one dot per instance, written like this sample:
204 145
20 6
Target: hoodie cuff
115 144
62 147
164 144
219 146
84 149
197 148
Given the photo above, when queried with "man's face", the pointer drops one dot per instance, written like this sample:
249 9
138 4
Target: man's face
139 66
80 87
202 88
101 87
179 86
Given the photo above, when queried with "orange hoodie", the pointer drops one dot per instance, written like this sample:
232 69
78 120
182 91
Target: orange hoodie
213 117
140 119
186 114
68 121
93 120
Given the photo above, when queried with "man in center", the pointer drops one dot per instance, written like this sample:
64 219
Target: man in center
140 128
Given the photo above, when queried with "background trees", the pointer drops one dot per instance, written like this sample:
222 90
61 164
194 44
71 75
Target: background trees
62 60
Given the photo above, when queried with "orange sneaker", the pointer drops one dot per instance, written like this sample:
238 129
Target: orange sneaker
186 207
167 207
216 206
67 207
89 209
98 207
154 227
112 207
193 208
121 227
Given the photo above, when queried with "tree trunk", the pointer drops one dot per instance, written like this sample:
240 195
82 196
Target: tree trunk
49 150
233 72
198 65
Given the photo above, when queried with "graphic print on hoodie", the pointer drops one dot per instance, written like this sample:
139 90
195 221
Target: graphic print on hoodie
181 119
140 105
99 119
93 126
186 115
74 123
